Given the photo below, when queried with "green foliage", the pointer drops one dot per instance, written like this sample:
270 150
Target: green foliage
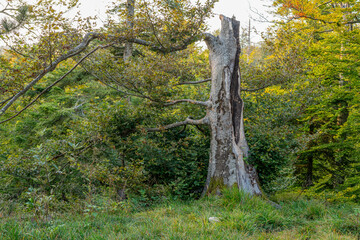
15 15
167 23
270 154
305 129
61 159
84 139
271 134
175 159
239 216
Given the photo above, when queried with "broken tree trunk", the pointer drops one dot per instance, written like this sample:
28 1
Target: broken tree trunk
229 149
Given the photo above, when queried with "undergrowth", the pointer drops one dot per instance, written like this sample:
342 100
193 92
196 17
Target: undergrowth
239 217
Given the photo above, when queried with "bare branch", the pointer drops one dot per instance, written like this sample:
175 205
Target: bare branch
6 100
17 52
53 84
130 92
196 82
154 47
200 129
116 89
152 26
78 49
201 103
322 4
325 31
188 121
312 18
140 94
183 130
262 18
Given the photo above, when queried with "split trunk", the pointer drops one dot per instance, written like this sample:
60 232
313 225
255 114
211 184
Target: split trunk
229 149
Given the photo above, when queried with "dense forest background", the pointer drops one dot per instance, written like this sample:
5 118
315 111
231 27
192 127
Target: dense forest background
86 138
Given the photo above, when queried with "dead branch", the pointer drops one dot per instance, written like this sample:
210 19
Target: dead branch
201 103
188 121
5 101
196 82
114 88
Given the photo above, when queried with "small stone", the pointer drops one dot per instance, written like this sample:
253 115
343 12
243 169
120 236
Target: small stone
214 219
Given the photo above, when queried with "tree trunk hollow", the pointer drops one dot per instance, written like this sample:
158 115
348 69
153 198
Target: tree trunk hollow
229 149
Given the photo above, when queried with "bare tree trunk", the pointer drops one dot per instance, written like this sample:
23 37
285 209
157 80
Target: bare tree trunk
228 144
130 7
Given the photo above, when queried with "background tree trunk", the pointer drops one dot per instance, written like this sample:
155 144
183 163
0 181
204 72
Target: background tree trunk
228 144
130 8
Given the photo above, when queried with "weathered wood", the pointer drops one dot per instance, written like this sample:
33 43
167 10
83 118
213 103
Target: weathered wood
229 148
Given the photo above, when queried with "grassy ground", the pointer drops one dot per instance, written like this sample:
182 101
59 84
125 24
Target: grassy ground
240 217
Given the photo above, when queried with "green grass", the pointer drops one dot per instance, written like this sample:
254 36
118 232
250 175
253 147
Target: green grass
241 217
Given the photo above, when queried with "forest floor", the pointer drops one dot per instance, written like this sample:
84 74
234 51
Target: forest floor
239 217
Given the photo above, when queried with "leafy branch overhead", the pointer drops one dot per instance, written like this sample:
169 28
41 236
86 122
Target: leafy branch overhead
172 28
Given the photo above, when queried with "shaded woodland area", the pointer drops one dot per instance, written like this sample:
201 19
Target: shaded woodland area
104 121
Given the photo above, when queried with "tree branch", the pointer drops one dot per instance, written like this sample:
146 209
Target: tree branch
82 46
116 89
154 47
200 129
188 121
210 40
17 20
196 82
5 101
152 26
17 52
78 49
53 84
131 92
322 20
201 103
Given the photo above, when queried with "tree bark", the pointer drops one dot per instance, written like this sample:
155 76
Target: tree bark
229 149
130 7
